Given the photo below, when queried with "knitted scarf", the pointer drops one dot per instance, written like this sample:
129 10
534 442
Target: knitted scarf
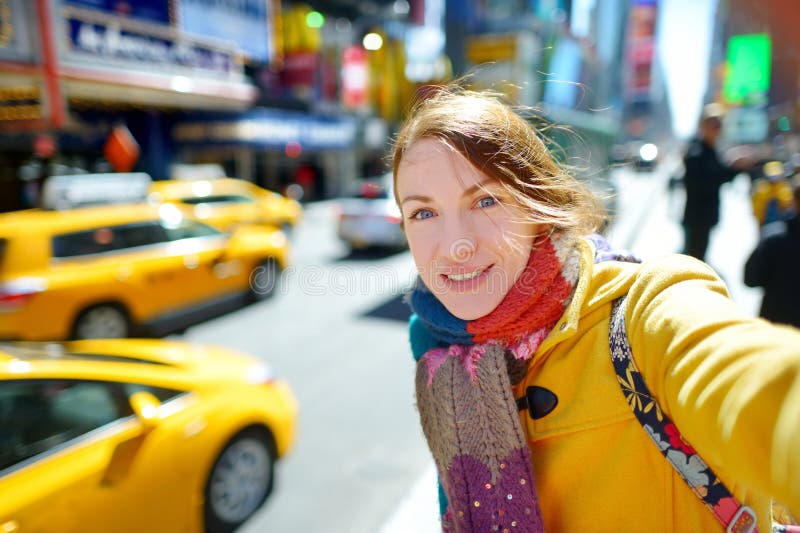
467 409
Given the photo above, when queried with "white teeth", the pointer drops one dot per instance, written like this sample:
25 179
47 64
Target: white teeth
462 277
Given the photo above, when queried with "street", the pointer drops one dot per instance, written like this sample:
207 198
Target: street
336 331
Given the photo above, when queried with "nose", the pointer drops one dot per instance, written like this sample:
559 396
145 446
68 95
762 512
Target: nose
457 240
461 249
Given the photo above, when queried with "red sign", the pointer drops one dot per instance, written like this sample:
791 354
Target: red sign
299 69
121 149
44 146
355 77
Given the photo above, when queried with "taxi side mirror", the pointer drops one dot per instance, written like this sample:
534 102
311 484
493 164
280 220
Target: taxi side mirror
145 406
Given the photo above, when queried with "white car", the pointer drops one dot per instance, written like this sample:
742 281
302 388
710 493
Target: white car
371 218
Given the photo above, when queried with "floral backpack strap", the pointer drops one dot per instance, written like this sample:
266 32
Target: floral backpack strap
735 517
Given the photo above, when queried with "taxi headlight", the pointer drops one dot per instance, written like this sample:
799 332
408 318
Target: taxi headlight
648 152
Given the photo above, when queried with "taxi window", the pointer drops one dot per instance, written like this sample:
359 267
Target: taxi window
83 243
38 416
189 229
134 235
161 393
217 199
3 245
107 239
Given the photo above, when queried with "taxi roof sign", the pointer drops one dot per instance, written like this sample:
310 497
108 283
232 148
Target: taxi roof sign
82 190
200 171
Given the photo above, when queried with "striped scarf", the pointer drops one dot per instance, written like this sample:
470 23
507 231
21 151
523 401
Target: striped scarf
467 409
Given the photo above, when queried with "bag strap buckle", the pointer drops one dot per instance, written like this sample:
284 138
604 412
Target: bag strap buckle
744 521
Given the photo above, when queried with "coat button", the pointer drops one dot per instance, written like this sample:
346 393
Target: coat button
541 401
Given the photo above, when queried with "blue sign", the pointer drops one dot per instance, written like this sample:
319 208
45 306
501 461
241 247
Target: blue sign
267 128
247 23
149 10
112 43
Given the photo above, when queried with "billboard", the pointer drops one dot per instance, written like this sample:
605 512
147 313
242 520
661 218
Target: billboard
747 74
246 23
640 49
148 10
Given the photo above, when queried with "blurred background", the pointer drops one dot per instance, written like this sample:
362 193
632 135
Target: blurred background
267 123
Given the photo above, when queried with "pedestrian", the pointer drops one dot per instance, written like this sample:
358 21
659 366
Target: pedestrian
772 195
517 311
775 265
703 176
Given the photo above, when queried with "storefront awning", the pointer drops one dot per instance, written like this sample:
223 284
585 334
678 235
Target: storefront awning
267 128
155 89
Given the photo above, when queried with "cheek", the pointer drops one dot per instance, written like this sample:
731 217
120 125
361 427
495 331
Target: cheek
506 232
421 244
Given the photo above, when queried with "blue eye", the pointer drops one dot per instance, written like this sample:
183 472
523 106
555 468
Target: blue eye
487 201
422 214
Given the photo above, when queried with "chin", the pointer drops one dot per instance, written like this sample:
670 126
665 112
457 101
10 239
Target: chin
470 311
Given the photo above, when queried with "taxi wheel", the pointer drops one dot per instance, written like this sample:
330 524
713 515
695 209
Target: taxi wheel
106 321
264 280
240 480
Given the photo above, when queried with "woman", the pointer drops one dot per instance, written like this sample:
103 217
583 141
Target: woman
526 419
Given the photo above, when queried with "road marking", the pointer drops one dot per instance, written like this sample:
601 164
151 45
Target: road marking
418 511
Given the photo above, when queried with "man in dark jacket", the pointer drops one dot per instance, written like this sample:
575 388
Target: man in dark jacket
775 265
704 174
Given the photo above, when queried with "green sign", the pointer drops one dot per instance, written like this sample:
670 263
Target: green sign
748 72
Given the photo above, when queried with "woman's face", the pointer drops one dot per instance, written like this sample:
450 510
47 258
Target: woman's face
470 239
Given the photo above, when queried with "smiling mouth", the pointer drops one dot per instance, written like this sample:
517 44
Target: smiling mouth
467 276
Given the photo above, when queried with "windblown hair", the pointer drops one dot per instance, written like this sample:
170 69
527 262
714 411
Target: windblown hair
502 144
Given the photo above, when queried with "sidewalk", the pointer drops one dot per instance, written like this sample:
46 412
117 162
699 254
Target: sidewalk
659 232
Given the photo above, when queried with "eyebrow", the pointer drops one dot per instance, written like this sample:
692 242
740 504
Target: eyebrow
467 192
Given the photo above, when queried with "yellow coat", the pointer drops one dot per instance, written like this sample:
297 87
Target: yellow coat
764 191
729 382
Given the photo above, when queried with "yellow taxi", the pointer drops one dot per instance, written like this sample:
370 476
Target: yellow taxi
118 270
226 202
126 435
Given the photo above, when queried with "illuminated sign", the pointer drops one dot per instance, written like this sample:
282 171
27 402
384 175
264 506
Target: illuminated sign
248 23
355 77
269 129
20 103
641 47
747 77
98 37
149 10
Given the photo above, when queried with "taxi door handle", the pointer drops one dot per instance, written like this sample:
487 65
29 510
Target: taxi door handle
191 261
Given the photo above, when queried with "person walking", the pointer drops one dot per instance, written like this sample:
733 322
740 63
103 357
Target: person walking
772 195
775 266
560 385
703 176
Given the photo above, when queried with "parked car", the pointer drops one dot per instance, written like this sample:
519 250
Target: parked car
227 202
137 435
115 270
371 217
